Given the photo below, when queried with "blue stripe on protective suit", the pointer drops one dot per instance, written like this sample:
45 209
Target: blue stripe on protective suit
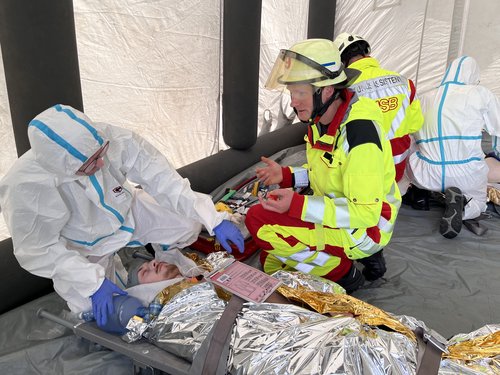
126 229
81 121
449 137
58 139
457 73
98 188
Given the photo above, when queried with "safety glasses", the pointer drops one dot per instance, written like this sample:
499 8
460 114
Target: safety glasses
89 166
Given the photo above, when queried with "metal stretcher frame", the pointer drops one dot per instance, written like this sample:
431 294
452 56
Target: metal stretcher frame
141 352
209 361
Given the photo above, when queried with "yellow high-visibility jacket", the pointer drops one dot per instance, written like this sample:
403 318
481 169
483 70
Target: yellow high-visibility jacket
351 172
397 98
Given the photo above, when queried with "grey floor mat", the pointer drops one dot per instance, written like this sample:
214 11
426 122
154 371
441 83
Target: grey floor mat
451 285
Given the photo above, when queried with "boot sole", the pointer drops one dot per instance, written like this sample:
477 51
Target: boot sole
451 222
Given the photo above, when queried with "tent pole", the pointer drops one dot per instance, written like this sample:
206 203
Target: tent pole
321 20
40 60
241 54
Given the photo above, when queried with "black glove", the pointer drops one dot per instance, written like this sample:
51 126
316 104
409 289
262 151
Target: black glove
374 266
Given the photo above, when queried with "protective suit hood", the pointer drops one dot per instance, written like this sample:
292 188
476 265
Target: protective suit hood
62 139
463 70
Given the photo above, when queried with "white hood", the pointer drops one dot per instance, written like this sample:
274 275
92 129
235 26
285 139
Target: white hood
62 139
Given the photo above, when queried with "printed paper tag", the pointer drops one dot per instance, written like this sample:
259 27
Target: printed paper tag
245 281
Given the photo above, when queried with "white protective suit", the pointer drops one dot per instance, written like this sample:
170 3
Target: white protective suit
449 149
68 227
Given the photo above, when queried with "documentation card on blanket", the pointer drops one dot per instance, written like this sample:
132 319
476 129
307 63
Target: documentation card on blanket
245 281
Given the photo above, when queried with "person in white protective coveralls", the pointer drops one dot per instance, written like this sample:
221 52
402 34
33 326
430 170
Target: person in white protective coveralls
449 157
70 206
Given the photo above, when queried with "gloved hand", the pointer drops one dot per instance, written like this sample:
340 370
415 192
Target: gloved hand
102 301
227 231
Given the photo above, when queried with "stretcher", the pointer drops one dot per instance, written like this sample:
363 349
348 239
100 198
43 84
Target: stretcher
211 357
143 353
209 360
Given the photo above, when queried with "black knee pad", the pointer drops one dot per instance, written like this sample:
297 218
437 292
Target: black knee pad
417 198
374 266
352 280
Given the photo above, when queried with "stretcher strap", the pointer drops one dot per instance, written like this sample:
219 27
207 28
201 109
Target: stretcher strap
429 353
221 333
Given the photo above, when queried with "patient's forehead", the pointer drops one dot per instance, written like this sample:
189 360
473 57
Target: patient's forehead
145 264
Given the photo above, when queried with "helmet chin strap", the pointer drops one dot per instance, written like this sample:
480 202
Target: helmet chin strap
319 108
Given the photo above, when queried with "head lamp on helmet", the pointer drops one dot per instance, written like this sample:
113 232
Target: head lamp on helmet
351 45
313 61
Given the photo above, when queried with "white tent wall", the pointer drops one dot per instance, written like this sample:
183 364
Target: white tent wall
416 38
155 66
482 40
8 152
284 22
420 38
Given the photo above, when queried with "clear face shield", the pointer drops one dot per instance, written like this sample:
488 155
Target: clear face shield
291 67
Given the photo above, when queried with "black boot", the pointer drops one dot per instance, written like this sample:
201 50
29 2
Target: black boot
451 222
352 280
374 266
417 198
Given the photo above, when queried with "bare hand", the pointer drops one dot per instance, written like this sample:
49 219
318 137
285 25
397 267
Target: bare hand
278 200
271 173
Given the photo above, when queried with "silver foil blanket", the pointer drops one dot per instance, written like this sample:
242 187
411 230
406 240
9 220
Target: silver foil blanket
281 339
186 320
285 339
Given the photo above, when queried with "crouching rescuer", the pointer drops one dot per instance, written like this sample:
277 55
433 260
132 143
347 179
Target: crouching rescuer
351 213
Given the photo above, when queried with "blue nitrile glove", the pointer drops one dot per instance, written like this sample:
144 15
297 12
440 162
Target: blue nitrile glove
102 301
227 231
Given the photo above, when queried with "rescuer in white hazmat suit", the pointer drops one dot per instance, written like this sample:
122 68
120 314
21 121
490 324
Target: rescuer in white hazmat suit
68 212
449 157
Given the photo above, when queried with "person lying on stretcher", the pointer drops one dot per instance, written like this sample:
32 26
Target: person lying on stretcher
274 336
285 333
160 272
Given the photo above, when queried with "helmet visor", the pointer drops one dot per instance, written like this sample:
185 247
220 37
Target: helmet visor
292 67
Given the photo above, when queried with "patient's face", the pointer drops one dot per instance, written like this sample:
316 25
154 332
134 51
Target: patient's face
154 271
